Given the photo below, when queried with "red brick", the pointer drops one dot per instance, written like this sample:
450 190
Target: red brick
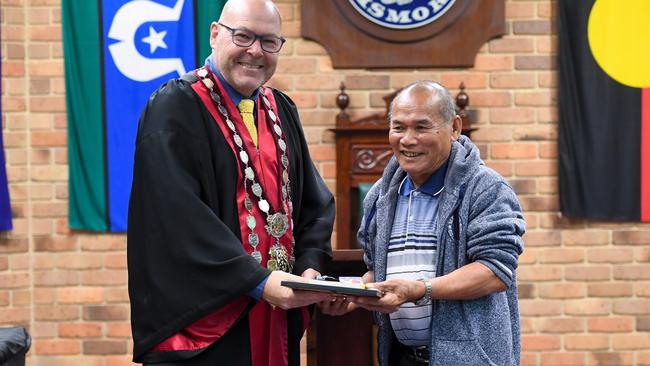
520 9
117 295
535 63
610 255
536 168
297 65
453 80
632 307
631 341
14 280
591 342
609 289
490 99
513 151
111 312
56 278
80 330
524 186
642 289
115 261
44 295
531 342
80 295
636 237
57 347
101 243
512 115
45 33
632 272
104 278
528 358
53 313
119 330
546 10
563 359
611 324
540 307
610 358
585 237
13 316
588 307
562 291
373 81
539 273
548 45
534 27
512 45
542 98
79 261
561 255
587 273
104 347
562 325
642 254
309 48
493 62
542 238
54 244
539 203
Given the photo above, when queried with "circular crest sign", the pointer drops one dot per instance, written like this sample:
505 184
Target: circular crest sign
402 14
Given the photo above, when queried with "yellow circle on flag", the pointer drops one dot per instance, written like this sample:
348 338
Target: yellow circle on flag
619 38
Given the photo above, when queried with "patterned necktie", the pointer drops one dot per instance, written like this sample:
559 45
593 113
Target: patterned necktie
246 110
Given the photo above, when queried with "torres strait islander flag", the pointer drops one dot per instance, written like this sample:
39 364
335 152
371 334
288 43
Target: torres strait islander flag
116 53
604 109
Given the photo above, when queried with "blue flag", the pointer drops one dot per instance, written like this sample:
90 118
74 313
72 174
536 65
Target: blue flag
5 207
117 52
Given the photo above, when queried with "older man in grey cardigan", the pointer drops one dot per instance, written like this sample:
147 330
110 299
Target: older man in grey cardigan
442 234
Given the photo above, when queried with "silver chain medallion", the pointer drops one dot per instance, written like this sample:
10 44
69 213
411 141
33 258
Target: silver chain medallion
278 222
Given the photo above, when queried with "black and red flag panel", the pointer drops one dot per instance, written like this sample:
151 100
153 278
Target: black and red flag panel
604 109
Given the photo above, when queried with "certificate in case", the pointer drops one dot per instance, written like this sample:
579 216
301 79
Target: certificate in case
342 288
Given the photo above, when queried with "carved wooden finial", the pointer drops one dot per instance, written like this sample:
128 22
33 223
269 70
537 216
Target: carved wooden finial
462 100
342 100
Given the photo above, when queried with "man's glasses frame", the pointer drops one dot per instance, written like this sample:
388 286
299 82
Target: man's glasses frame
246 38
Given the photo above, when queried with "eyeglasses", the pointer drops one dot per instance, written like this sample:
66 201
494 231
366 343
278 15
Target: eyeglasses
244 38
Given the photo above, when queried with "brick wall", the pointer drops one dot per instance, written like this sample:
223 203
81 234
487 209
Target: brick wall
584 285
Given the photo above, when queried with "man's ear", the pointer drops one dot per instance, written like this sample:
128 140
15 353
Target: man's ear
456 127
214 30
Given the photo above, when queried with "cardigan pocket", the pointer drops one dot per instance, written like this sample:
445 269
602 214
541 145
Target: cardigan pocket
459 353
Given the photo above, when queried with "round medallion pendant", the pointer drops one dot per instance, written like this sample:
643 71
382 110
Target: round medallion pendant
279 259
277 224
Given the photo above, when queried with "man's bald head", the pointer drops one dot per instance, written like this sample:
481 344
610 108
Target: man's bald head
234 9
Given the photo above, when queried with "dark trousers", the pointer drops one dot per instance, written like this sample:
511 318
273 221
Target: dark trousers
399 356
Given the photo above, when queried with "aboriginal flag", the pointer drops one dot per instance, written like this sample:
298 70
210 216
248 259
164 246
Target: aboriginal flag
117 52
604 109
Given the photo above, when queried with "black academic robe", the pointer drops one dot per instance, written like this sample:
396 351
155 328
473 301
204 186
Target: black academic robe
184 248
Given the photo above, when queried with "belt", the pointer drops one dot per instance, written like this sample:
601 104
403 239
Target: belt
416 353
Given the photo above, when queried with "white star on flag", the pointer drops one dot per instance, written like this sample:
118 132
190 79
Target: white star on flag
155 39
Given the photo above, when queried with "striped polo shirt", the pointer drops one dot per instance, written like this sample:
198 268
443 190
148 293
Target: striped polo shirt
412 250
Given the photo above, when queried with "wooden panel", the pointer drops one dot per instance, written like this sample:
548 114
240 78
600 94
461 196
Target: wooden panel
355 42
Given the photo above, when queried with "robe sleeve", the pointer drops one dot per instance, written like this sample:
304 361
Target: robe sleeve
183 260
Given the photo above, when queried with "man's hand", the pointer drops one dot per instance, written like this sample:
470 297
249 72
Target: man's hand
396 292
310 274
286 298
337 305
